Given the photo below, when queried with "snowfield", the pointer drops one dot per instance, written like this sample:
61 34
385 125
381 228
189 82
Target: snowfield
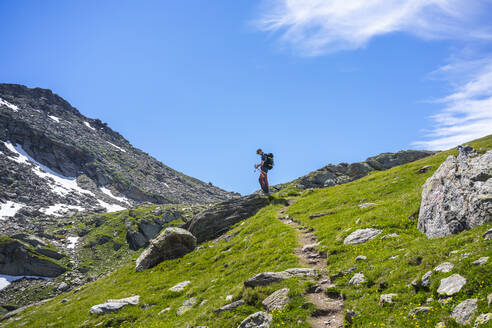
110 194
89 126
9 209
9 105
119 148
54 118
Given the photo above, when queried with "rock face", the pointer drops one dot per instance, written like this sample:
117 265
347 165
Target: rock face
451 285
331 175
277 300
463 313
170 244
458 196
361 236
257 320
18 259
55 161
266 278
114 305
216 220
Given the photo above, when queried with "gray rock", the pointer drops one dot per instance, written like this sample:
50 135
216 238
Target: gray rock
277 300
181 286
62 287
361 236
186 306
366 205
487 235
230 306
314 216
257 320
451 285
170 244
113 305
481 260
482 319
361 258
357 279
419 310
458 196
50 253
386 299
464 312
266 278
426 279
489 299
216 220
393 235
440 325
444 267
164 311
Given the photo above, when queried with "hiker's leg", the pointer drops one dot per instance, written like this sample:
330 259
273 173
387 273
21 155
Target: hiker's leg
264 181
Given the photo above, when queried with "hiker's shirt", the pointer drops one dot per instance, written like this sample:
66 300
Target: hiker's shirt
264 167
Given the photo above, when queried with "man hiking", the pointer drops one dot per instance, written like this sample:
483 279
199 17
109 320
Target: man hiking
265 165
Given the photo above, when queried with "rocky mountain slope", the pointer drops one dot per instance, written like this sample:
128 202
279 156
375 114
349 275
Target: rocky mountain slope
55 162
369 263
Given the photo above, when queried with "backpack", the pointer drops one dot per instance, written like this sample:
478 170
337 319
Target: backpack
269 161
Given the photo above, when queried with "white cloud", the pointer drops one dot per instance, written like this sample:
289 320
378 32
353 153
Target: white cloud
467 112
320 26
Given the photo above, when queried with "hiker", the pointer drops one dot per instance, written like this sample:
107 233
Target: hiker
265 165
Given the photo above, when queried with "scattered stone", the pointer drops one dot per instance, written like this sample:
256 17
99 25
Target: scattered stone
424 169
230 307
426 279
277 300
444 267
114 305
487 235
489 299
350 315
429 300
203 302
266 278
451 285
394 257
457 196
357 221
170 244
343 273
164 311
361 258
179 287
257 320
62 287
310 248
64 301
366 205
186 306
440 325
314 216
386 299
419 310
361 236
393 235
357 279
481 261
229 297
463 313
482 319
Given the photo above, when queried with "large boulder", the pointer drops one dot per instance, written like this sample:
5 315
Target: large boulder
170 244
19 259
451 285
464 312
216 220
361 236
458 196
257 320
277 300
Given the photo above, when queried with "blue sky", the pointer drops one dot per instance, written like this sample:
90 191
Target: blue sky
201 84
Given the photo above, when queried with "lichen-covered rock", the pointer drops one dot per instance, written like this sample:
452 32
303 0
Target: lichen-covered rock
451 285
170 244
458 196
266 278
277 300
464 312
361 236
114 305
482 319
186 306
230 306
386 299
181 286
444 267
257 320
357 279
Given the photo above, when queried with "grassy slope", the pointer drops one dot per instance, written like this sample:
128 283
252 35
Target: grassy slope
263 243
397 193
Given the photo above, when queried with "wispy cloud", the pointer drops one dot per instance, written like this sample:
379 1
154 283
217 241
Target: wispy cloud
315 27
467 111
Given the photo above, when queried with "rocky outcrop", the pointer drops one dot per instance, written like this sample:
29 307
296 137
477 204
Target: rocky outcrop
361 236
331 175
277 300
458 196
114 305
267 278
170 244
18 259
216 220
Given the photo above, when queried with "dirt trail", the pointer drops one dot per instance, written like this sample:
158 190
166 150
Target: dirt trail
329 308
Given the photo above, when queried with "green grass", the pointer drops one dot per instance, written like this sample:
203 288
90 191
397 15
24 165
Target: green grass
262 243
216 270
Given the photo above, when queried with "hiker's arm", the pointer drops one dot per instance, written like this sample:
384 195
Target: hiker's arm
261 164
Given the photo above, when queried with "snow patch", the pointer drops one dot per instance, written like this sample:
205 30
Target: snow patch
63 185
89 126
111 207
72 242
54 118
9 209
110 194
5 280
9 105
59 209
119 148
